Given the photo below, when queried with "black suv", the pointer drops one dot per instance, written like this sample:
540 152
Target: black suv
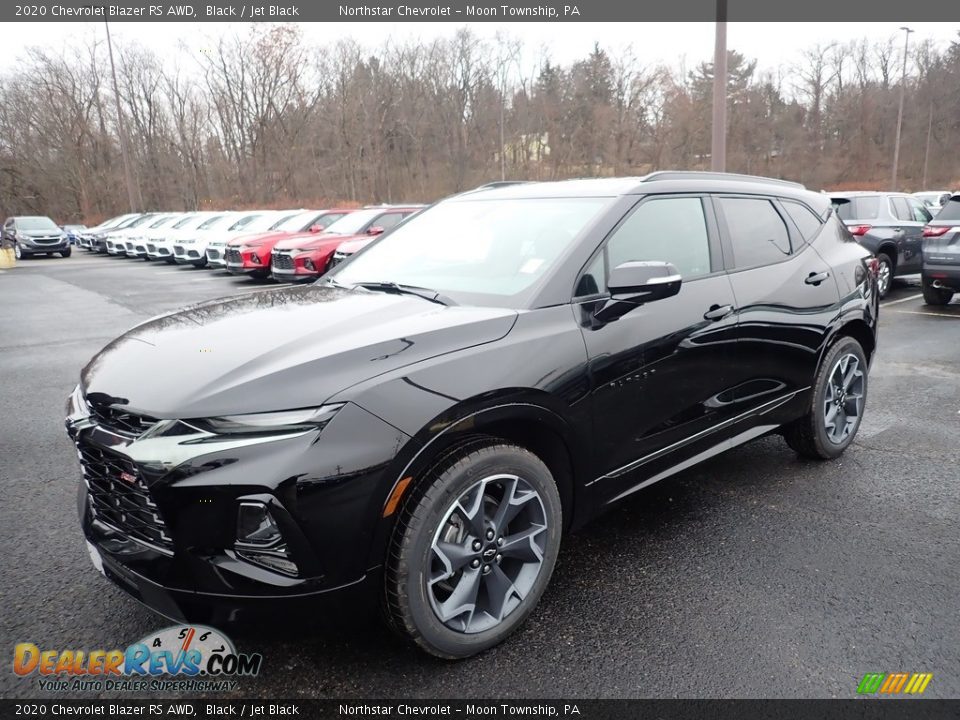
890 225
35 235
423 424
940 277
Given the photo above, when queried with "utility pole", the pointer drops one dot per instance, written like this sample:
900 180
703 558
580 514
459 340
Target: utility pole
718 144
123 134
926 153
903 89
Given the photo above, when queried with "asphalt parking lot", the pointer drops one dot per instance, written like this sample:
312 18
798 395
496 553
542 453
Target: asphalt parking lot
753 575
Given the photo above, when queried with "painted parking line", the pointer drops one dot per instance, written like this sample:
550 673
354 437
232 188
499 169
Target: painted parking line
902 300
922 312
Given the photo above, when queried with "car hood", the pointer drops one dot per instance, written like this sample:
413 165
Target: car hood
40 233
312 241
356 244
278 349
255 239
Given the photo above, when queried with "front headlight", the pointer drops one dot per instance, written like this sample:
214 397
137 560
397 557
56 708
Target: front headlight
296 251
269 423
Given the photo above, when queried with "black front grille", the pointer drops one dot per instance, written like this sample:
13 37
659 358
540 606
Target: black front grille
282 262
120 499
120 421
233 256
46 240
151 247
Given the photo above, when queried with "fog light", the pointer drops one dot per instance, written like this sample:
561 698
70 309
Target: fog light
259 540
308 264
255 259
255 526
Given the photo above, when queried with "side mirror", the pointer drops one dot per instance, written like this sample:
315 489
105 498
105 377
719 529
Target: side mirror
635 283
316 228
375 230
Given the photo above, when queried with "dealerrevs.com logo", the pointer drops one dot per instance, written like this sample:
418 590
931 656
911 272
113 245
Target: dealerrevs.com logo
196 657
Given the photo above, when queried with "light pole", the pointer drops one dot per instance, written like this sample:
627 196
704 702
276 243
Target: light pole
903 89
718 144
123 134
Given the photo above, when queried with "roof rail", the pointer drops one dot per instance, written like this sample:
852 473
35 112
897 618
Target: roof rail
705 175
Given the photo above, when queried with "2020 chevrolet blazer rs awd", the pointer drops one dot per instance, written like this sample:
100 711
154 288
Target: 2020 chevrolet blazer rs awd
424 424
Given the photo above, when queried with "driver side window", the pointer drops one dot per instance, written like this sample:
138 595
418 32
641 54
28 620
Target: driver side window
673 230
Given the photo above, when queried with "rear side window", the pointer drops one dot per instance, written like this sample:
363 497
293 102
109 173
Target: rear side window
387 221
671 230
858 208
757 232
919 211
901 210
950 211
807 221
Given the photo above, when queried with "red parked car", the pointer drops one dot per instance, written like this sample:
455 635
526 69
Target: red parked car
306 258
250 254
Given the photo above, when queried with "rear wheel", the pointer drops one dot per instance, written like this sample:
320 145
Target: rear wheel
837 403
473 550
934 295
884 274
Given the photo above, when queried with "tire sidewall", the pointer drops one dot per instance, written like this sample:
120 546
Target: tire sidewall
842 347
419 538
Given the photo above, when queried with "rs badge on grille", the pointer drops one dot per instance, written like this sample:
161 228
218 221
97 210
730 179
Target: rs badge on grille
128 478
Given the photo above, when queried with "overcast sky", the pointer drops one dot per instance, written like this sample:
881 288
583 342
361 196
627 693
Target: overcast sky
773 45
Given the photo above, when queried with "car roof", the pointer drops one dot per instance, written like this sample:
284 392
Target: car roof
668 181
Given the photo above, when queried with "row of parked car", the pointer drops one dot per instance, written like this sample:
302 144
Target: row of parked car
287 245
909 234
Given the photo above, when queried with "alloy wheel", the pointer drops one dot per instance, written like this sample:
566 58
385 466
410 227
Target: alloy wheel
883 278
843 399
487 553
16 251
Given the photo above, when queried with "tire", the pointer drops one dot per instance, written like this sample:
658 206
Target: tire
884 274
199 264
17 252
933 295
507 577
66 253
811 436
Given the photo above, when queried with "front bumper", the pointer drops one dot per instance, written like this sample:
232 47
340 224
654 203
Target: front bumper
28 246
325 490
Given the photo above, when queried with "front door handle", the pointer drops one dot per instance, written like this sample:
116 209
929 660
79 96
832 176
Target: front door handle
817 278
718 312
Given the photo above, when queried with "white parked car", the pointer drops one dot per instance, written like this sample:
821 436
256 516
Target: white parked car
136 242
934 200
251 221
116 240
161 247
191 247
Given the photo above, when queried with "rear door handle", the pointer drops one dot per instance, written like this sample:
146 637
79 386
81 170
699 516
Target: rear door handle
718 312
817 278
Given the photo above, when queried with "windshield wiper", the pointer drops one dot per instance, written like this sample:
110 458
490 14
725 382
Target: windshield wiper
392 287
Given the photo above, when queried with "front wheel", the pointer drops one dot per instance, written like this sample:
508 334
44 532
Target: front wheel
66 253
934 295
18 252
473 550
837 403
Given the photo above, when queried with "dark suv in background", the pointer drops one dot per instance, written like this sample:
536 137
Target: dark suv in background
940 276
890 225
423 424
35 235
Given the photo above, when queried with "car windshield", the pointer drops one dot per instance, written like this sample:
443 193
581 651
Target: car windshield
183 221
162 221
291 223
476 251
140 220
354 222
36 223
215 220
243 223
